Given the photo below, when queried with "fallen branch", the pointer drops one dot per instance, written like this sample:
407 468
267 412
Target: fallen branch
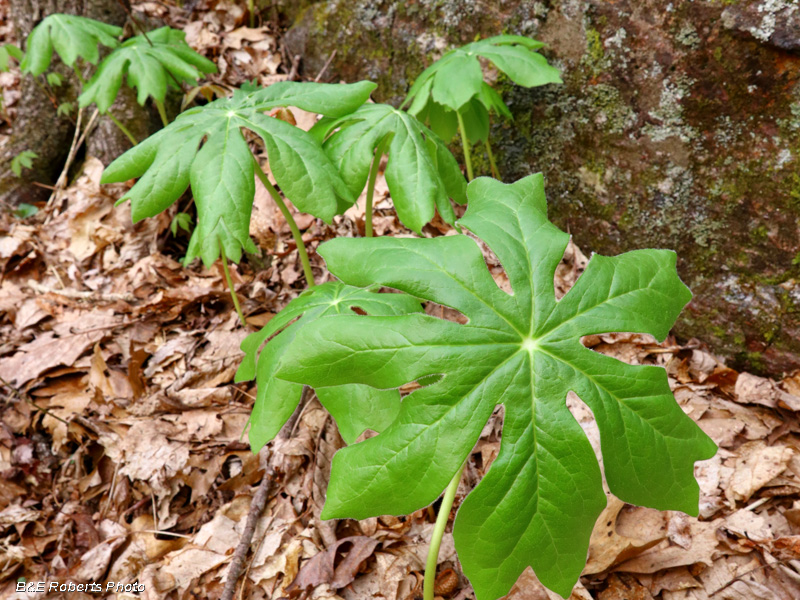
77 142
79 295
258 504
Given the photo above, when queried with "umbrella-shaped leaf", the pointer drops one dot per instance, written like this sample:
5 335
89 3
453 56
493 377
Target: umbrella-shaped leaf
152 63
421 173
540 498
204 148
355 407
455 83
456 77
71 37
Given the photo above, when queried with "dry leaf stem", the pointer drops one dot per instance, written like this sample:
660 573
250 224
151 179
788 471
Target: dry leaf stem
258 504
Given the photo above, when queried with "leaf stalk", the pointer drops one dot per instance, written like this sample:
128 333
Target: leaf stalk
229 281
373 176
429 581
465 145
122 128
298 238
495 172
161 111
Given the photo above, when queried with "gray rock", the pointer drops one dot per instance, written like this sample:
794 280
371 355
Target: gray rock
678 126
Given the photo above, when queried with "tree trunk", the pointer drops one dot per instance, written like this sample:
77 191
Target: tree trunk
38 127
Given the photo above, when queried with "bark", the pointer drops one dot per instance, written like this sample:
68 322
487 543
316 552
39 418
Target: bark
38 127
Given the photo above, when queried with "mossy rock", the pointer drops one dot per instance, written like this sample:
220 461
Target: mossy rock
678 126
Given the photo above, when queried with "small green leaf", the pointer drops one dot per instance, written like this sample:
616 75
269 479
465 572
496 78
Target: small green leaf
474 113
221 170
7 52
71 37
421 172
23 160
181 220
539 500
64 109
23 211
455 83
354 407
54 79
476 121
456 78
152 63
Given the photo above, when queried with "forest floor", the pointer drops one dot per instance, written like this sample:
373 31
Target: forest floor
121 450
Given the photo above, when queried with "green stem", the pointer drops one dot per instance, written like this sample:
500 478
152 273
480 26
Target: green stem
252 9
298 238
429 581
161 112
373 176
122 128
495 172
230 285
465 144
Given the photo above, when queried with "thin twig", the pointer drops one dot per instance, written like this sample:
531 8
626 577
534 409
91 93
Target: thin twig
325 66
111 491
140 27
78 295
257 506
23 396
70 154
71 157
135 21
295 66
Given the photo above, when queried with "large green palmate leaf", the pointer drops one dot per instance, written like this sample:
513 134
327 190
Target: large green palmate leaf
153 63
354 407
421 172
71 37
540 498
204 148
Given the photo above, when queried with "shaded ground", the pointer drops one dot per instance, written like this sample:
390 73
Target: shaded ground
121 456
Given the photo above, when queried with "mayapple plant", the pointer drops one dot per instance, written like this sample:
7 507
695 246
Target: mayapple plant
421 173
540 498
452 95
357 345
153 62
204 147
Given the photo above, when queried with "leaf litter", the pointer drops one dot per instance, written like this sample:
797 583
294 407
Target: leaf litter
121 448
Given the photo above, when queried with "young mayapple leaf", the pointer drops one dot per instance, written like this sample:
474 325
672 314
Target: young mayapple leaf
454 84
474 113
7 52
540 498
354 407
421 173
71 37
204 148
23 160
456 78
152 63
